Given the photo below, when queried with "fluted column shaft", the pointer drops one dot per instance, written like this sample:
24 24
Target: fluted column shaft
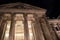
12 28
2 26
26 30
52 33
38 34
52 25
45 29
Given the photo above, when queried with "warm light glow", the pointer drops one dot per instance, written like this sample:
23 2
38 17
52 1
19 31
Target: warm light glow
8 26
19 30
7 30
19 34
31 34
7 35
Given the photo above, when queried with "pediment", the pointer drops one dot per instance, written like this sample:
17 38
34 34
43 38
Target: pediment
21 8
19 5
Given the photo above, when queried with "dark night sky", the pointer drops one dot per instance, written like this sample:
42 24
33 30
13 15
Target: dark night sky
52 6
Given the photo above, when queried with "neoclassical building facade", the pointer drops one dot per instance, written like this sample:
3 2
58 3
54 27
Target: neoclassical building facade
20 21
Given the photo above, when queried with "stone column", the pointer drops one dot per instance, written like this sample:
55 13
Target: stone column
1 19
52 33
12 28
52 25
45 29
2 27
26 30
3 32
38 34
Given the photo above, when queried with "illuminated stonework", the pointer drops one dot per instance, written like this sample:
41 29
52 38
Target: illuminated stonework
55 23
20 21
